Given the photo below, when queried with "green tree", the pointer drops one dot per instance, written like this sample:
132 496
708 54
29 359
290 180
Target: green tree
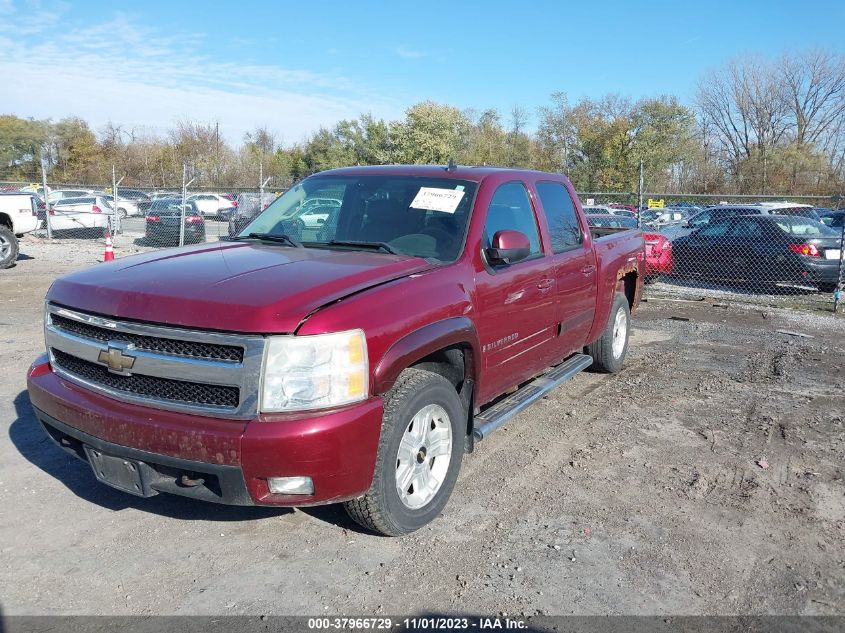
77 153
431 133
21 141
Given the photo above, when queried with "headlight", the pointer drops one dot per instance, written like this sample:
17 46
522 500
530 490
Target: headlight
313 372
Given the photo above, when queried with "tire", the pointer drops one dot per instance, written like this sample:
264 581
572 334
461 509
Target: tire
608 358
9 247
123 213
828 287
417 395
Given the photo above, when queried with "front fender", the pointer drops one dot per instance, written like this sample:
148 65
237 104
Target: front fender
422 342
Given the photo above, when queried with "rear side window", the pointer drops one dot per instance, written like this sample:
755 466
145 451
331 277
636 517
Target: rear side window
798 226
560 211
510 209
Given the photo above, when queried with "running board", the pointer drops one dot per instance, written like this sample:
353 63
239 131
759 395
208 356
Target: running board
491 419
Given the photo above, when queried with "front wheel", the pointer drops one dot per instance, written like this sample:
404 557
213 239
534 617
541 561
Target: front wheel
610 349
419 455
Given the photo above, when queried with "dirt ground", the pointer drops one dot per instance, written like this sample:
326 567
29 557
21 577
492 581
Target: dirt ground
706 478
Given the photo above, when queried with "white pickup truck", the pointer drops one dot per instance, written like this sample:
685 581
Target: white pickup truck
18 215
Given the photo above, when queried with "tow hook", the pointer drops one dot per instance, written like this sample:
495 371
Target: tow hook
191 483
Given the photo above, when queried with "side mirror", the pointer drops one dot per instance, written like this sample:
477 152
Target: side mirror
508 247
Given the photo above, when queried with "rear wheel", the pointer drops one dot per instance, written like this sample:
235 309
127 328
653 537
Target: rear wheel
419 455
610 349
8 247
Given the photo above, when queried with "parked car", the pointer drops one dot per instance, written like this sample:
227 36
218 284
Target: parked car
623 209
597 209
605 220
18 215
314 213
155 195
713 214
247 208
125 206
762 249
834 218
140 198
163 222
358 367
789 208
35 188
92 213
660 218
61 194
658 256
213 204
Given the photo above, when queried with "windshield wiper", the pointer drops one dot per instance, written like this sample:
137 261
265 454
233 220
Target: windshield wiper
383 246
281 238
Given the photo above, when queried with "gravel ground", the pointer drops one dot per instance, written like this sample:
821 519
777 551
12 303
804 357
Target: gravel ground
706 478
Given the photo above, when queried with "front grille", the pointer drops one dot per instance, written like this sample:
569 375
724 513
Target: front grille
158 388
191 349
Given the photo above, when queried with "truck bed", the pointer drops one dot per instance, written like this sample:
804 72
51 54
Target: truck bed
601 232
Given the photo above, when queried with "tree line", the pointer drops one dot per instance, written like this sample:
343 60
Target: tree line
756 125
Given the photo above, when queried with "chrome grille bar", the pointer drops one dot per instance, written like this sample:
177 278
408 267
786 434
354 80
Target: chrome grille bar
160 365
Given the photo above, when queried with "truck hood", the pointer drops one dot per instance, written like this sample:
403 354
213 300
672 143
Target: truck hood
235 287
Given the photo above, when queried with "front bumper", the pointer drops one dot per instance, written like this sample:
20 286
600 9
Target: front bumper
232 458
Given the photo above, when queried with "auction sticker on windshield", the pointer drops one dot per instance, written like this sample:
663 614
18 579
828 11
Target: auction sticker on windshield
433 199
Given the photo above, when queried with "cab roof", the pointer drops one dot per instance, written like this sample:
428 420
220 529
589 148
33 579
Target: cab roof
459 172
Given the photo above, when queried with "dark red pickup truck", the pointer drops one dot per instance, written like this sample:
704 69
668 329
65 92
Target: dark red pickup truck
350 345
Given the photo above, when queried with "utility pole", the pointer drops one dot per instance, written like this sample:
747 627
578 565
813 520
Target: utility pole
640 197
115 212
261 184
840 285
185 183
44 165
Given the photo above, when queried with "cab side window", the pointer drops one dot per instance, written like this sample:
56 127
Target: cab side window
560 211
510 209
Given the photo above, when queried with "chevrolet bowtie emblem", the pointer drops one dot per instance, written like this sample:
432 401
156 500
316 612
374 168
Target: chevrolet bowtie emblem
117 361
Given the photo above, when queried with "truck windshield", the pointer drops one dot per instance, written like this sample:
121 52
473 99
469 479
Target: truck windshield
416 216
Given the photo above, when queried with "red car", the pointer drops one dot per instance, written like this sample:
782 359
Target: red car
658 256
353 362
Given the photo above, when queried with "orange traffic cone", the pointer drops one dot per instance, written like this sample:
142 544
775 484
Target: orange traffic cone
109 254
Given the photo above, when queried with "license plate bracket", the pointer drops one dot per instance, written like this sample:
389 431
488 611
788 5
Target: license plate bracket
118 472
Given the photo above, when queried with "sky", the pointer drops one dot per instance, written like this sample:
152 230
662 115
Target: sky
296 66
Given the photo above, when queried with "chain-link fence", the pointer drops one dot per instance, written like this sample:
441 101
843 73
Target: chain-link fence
144 216
747 248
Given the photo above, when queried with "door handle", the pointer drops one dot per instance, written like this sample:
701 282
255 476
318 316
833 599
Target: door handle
545 284
589 269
